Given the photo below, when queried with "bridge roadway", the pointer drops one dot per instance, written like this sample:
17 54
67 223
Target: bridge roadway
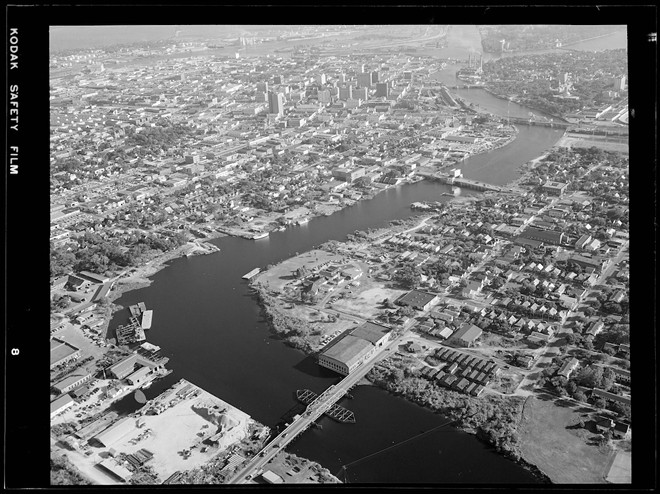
313 411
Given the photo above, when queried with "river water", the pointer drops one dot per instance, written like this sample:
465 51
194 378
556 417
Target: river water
208 323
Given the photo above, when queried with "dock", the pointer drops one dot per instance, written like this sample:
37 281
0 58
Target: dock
340 414
130 333
252 274
137 309
146 319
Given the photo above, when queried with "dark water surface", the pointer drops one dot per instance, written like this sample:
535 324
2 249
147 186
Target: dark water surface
211 327
208 323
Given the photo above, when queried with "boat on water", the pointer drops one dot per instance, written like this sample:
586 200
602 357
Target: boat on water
449 194
147 385
257 236
303 221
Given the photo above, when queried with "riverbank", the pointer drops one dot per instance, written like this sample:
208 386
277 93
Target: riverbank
492 418
138 277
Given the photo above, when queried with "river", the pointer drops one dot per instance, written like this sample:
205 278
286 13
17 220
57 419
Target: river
208 323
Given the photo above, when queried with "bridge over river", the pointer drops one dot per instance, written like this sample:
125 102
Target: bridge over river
314 410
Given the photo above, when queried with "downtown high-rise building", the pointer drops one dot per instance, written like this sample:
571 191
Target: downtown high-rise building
346 93
276 103
364 79
382 89
324 96
361 93
262 87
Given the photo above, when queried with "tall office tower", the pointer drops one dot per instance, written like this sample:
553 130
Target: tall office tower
362 68
342 78
346 93
276 103
620 83
364 79
374 77
320 78
382 89
324 96
260 96
277 79
362 93
262 87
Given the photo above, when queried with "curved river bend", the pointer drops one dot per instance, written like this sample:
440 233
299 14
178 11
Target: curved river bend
211 327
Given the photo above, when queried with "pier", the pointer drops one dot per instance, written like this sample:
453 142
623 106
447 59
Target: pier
252 274
336 412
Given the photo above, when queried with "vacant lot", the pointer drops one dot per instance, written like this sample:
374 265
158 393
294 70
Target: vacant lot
368 301
576 141
182 425
281 274
563 454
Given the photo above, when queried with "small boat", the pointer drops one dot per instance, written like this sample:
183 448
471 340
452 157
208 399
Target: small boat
449 194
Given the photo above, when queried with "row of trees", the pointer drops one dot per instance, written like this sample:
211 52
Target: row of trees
94 253
494 418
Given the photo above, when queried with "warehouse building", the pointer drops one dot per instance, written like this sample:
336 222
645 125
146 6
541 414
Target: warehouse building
130 364
550 237
116 431
355 348
72 381
139 376
554 188
111 466
61 352
418 300
467 335
60 404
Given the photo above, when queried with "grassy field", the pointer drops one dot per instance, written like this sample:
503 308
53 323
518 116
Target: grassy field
561 451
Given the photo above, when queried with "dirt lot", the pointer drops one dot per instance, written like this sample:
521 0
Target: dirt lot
562 453
283 273
366 302
182 426
575 141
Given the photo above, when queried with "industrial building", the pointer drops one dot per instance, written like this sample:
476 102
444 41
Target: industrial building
348 175
546 236
139 376
348 353
61 352
271 477
72 381
116 431
127 366
111 466
554 188
60 404
418 300
466 335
